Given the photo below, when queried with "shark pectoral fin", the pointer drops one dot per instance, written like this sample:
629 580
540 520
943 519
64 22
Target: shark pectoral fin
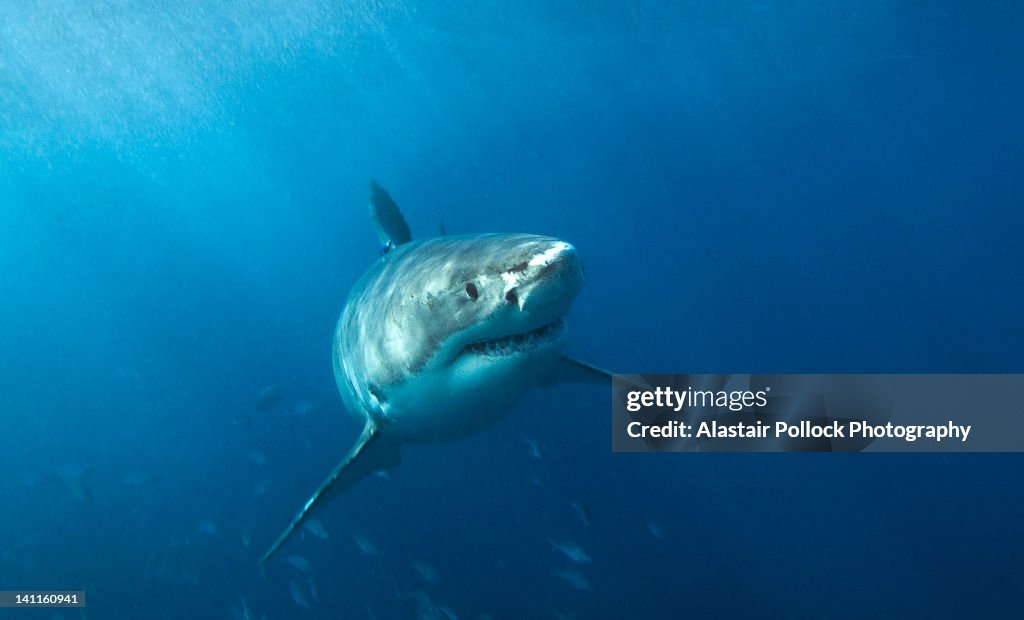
370 453
569 370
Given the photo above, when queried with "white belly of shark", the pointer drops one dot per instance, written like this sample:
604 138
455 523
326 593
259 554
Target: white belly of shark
441 337
436 407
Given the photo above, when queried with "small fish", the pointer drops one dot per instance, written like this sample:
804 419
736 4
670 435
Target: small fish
364 544
446 613
207 527
73 475
582 511
268 398
573 578
426 609
301 408
312 590
258 457
301 563
136 478
247 536
426 571
533 447
246 614
297 595
572 551
260 487
316 528
656 529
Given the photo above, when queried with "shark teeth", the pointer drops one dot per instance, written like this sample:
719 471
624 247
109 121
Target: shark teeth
515 343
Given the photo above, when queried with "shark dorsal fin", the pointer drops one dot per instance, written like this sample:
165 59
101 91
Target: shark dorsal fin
387 217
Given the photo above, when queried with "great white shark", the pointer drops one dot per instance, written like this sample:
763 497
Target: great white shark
441 337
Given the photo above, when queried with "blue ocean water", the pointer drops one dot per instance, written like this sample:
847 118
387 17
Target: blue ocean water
753 186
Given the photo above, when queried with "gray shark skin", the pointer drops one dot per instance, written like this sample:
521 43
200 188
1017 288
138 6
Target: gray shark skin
440 338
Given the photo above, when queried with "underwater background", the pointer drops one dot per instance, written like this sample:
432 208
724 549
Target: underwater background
787 186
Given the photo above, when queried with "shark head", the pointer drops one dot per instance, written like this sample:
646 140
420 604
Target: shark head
442 336
511 311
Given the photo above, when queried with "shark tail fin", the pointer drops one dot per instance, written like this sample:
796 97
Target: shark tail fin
370 453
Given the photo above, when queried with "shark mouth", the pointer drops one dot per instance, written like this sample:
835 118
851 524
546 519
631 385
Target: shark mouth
516 343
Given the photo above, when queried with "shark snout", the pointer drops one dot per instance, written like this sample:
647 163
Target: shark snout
554 276
562 261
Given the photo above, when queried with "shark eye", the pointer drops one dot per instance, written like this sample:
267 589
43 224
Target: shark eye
511 296
471 291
